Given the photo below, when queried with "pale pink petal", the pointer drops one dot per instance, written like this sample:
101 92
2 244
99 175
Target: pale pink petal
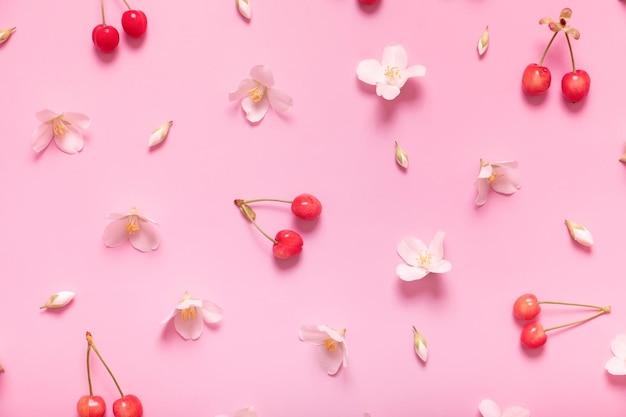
246 412
211 312
146 238
279 101
331 361
115 233
409 250
507 164
618 346
410 273
263 74
242 91
489 408
255 111
187 302
516 411
77 119
485 171
436 245
386 91
370 72
45 115
42 137
394 56
332 333
505 184
116 216
71 142
482 185
310 333
190 328
145 218
169 316
413 71
440 267
616 366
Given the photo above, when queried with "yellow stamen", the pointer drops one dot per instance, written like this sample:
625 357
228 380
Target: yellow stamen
393 74
189 313
58 127
493 177
425 257
132 225
330 344
256 94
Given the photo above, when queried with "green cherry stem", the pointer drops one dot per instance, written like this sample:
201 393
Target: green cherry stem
258 200
571 304
571 53
95 349
603 310
545 52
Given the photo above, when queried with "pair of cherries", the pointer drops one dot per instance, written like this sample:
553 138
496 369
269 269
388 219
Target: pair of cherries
287 243
106 37
527 307
94 405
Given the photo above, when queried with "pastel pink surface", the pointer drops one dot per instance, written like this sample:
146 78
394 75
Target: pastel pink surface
337 144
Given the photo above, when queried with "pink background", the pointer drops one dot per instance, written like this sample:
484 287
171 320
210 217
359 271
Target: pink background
337 143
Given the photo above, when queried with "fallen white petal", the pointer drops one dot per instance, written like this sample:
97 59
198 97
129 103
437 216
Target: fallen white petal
159 134
244 8
483 41
580 233
5 34
401 157
59 299
421 348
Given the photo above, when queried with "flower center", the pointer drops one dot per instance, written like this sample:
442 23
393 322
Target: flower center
563 22
188 313
330 344
392 74
256 94
132 225
59 128
493 177
425 258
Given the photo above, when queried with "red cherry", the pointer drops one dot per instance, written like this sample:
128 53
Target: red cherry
105 37
91 406
288 244
536 79
127 406
306 207
526 307
134 23
368 1
575 85
533 336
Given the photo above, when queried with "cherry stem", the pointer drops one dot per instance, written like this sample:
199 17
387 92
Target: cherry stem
274 241
257 200
571 53
127 5
95 349
603 310
89 371
547 47
571 304
102 10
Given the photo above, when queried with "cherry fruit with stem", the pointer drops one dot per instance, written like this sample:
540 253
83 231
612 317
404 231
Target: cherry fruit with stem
105 37
134 22
304 206
90 405
126 406
527 306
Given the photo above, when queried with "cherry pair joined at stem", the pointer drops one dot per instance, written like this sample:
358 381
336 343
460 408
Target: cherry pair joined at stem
106 37
287 243
94 405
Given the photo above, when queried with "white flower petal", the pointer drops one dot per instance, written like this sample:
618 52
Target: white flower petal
46 115
159 134
310 333
59 299
394 56
255 111
370 72
79 120
72 141
516 411
488 408
410 273
245 85
409 250
618 346
42 136
190 328
436 246
211 312
579 233
440 267
386 91
483 187
279 100
244 8
263 74
332 360
616 366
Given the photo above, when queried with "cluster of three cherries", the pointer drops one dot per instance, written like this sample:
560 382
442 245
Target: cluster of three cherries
106 37
287 243
527 307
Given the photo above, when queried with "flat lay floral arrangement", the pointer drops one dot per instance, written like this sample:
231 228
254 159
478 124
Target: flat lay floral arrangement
355 208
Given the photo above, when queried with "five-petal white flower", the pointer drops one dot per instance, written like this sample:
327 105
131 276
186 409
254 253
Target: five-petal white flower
65 128
191 313
617 364
257 94
139 230
421 259
331 343
390 75
500 176
488 408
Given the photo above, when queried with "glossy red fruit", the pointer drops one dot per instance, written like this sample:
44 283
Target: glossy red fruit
575 85
306 207
289 244
106 38
368 1
536 79
533 336
134 23
91 406
526 307
127 406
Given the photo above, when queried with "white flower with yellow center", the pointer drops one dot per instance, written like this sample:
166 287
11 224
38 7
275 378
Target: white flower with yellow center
500 176
257 94
390 75
331 345
191 313
65 128
139 230
420 259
